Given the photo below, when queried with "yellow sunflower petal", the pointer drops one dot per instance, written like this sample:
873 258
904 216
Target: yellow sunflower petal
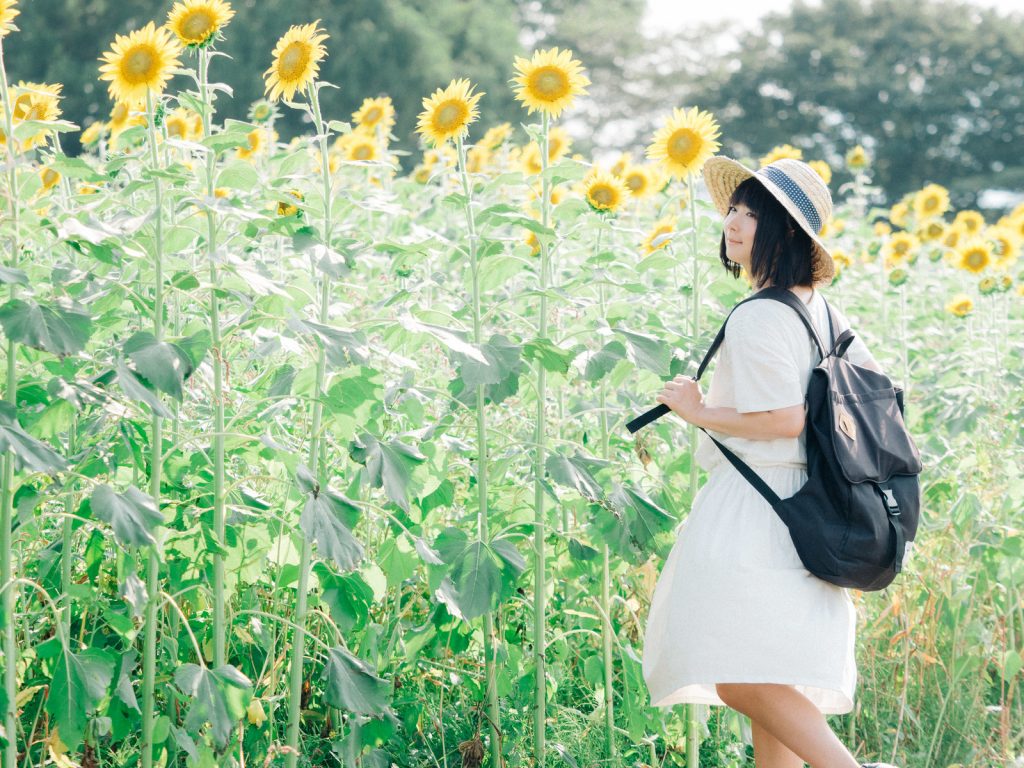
374 112
603 191
140 62
549 81
297 57
448 112
197 22
685 141
7 14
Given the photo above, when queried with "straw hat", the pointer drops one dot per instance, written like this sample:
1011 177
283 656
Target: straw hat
793 183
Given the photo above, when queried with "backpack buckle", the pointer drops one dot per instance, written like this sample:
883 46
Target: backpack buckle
891 504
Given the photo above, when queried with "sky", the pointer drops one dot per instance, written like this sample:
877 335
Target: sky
668 15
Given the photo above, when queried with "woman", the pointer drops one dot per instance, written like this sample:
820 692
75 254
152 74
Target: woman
736 619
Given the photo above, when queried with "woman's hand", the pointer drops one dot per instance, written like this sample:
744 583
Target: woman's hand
684 397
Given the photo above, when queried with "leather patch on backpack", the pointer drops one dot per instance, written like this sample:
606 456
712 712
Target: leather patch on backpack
847 424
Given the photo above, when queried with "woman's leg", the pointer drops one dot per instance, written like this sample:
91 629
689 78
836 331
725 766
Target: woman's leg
769 752
792 719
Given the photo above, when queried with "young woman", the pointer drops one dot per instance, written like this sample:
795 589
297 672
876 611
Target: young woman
736 619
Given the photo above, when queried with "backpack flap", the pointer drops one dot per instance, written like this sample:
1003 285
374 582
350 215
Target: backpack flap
870 439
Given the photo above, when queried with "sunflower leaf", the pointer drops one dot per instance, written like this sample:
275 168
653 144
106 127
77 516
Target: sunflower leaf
133 515
58 330
352 684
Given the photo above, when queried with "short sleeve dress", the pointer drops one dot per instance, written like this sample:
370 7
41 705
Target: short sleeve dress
733 603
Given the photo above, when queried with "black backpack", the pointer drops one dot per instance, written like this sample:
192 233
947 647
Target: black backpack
852 519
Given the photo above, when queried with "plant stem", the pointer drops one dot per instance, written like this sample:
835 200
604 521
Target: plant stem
606 624
315 454
692 724
156 445
7 604
219 620
66 533
481 464
539 581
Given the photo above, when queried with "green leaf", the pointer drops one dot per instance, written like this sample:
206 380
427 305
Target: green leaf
124 690
343 348
79 682
75 168
59 330
323 520
551 356
165 365
499 374
451 338
219 697
477 572
390 465
139 390
13 276
28 452
348 597
133 515
577 472
601 363
352 684
647 351
630 523
238 175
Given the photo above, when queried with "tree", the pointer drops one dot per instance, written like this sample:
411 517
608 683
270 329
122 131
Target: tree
932 87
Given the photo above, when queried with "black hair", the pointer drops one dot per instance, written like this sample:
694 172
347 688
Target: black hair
782 250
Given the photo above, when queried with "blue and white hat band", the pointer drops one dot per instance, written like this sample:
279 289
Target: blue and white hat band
795 193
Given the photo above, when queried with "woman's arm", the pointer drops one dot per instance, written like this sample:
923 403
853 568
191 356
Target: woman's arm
684 397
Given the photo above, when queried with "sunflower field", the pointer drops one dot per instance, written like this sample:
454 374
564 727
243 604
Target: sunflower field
310 460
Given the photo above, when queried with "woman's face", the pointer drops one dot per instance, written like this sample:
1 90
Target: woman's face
739 228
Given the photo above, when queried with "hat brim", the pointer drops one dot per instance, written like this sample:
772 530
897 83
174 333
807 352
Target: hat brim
721 177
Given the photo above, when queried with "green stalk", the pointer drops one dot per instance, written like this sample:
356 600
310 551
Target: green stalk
692 722
156 459
66 533
606 624
481 464
315 454
219 622
10 754
539 581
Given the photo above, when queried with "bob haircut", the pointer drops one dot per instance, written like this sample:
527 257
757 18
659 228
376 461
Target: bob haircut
781 253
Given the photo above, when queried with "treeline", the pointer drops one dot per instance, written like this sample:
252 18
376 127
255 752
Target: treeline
931 99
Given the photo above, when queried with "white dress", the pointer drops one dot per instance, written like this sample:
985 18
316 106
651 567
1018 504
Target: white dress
733 603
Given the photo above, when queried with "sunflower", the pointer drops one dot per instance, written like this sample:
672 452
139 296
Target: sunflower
448 112
619 166
496 136
183 124
882 228
975 257
961 305
931 230
262 111
123 117
832 228
603 191
1007 246
549 82
50 178
898 214
971 222
898 277
559 143
528 159
1013 223
951 238
197 22
7 14
296 61
685 141
987 286
658 237
477 159
256 144
781 152
639 180
900 247
33 101
289 207
93 133
931 201
374 112
361 148
140 62
857 158
823 169
532 241
841 260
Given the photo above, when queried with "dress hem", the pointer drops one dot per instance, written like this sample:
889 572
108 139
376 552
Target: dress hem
673 698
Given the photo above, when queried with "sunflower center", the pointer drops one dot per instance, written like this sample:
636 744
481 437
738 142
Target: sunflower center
50 177
635 182
120 113
293 62
362 152
176 127
549 84
602 196
683 145
450 115
198 25
139 65
975 259
373 115
931 203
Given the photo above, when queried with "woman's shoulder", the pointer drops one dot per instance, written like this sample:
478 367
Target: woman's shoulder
766 315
